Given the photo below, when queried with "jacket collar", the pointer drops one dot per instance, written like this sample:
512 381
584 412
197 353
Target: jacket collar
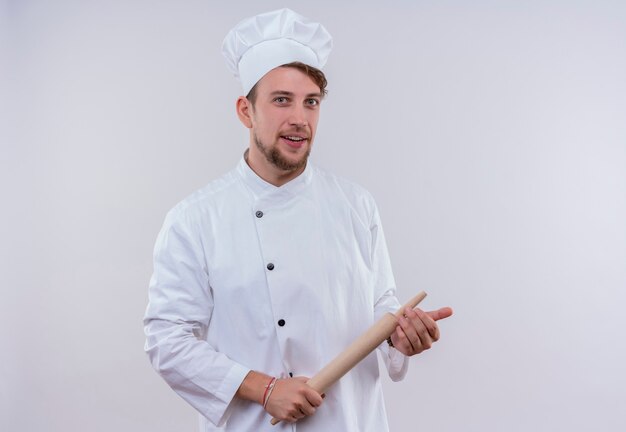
260 188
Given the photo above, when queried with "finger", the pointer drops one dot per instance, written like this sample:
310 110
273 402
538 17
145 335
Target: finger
296 412
289 417
401 342
413 330
306 409
429 323
421 331
313 397
410 333
439 314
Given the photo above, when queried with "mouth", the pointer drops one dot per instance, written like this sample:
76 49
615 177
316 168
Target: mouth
294 141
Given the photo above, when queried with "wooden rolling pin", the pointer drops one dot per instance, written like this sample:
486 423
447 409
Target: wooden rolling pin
359 349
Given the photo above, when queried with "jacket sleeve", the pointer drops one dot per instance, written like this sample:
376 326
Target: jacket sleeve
385 295
176 321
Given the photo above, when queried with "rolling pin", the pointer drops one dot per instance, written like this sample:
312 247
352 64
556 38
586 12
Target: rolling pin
359 349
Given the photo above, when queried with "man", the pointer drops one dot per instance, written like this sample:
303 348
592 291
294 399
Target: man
267 273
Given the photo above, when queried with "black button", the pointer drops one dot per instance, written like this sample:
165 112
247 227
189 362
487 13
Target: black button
291 374
259 214
281 322
270 266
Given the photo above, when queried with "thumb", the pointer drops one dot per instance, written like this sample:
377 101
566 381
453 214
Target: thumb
439 314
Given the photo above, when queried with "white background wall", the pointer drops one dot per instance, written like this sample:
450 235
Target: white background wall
493 135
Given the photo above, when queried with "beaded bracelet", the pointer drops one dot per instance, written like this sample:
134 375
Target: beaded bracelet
389 342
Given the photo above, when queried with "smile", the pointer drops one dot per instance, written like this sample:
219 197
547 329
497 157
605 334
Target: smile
294 138
294 141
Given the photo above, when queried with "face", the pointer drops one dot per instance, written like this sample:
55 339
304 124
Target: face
282 121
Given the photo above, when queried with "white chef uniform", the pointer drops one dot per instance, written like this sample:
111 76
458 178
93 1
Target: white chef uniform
249 276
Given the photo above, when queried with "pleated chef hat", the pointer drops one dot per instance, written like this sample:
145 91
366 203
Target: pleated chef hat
259 44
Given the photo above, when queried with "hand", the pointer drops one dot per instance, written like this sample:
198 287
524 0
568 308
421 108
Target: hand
292 399
417 330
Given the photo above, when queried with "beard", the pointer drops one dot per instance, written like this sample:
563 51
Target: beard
275 157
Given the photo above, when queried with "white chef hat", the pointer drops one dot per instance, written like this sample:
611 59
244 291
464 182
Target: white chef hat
261 43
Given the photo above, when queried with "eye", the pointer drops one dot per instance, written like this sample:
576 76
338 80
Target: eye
312 102
280 99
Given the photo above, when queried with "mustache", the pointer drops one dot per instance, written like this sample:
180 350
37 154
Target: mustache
303 133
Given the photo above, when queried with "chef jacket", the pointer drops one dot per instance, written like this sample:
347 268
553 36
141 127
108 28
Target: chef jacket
250 276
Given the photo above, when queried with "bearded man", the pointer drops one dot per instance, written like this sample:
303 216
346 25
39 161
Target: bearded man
264 275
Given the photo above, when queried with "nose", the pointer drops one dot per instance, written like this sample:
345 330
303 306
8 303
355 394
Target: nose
298 117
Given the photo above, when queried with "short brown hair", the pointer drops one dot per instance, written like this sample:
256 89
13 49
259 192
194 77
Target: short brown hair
315 74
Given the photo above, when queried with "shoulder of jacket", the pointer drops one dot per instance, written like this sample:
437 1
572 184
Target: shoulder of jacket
349 187
359 198
206 197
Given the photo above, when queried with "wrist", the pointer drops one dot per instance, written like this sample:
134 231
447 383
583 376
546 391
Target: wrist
268 391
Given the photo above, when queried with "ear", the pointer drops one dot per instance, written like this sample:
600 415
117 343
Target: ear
244 111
